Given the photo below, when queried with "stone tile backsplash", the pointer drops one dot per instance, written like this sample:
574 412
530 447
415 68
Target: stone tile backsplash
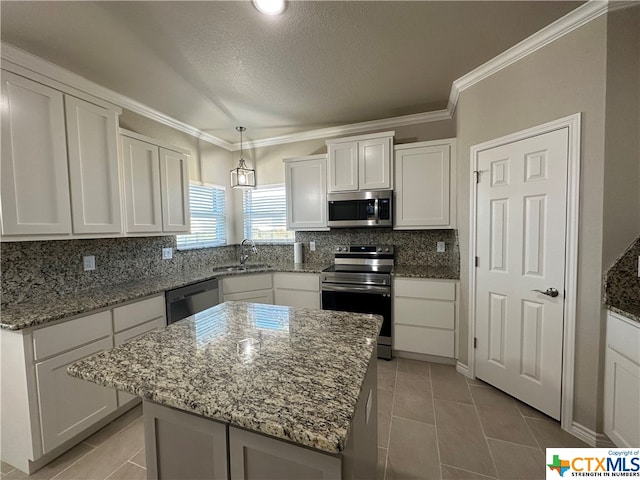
50 268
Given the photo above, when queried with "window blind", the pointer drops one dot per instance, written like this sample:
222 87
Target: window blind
265 215
208 218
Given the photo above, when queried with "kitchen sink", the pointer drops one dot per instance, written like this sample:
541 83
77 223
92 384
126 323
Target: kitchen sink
241 268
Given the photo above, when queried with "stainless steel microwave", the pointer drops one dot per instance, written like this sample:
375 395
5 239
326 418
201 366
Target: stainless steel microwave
361 209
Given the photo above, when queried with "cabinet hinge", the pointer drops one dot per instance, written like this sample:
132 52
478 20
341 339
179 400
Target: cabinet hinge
475 342
476 174
477 261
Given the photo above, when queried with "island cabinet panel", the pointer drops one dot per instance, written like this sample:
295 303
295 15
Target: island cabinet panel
256 457
69 405
622 381
297 289
181 445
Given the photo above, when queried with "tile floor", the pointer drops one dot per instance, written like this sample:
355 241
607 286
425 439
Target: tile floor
433 423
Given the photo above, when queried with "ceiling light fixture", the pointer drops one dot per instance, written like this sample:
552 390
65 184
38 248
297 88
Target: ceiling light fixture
270 7
242 176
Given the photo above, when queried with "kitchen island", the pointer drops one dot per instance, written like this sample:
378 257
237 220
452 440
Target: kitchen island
252 391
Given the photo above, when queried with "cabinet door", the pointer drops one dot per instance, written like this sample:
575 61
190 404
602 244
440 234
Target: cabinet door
69 405
174 184
93 167
256 296
374 164
34 179
422 187
255 457
142 186
343 166
306 185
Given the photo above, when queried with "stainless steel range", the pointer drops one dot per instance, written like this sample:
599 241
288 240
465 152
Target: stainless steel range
360 281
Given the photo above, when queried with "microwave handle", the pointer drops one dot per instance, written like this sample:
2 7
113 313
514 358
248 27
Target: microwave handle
376 209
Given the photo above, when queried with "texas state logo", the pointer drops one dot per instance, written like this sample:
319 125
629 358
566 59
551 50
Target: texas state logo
593 462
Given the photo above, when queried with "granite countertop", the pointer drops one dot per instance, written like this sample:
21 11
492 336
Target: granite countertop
50 308
300 381
47 309
626 309
425 271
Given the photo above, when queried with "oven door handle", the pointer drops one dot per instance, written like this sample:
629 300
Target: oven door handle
330 287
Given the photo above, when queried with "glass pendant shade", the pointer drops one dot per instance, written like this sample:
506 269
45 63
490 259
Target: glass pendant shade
242 176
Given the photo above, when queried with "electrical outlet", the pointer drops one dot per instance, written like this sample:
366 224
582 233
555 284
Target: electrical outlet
167 253
89 262
312 246
440 247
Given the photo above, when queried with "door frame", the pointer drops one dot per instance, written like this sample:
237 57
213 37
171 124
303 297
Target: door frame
573 123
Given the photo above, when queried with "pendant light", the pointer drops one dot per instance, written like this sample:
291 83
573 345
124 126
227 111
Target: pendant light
242 176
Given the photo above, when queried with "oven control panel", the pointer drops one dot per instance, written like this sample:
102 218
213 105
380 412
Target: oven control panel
364 249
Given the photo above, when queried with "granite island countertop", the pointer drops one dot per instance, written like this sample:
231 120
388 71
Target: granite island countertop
50 308
292 373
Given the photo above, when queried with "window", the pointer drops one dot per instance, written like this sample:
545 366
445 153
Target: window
265 215
208 218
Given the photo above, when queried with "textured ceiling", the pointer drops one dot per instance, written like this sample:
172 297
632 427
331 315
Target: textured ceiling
215 65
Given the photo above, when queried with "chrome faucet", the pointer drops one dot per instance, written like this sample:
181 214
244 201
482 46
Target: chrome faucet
244 256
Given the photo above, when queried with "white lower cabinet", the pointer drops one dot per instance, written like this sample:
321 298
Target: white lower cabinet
424 316
297 289
69 405
43 410
622 382
255 288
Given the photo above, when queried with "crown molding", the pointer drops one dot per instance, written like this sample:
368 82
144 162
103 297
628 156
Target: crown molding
352 128
567 24
570 22
51 71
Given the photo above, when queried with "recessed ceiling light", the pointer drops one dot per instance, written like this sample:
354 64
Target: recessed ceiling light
270 7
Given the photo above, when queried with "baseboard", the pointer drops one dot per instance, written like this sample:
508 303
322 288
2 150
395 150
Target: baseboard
424 358
463 369
591 438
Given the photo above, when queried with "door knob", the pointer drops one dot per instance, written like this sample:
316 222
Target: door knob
551 292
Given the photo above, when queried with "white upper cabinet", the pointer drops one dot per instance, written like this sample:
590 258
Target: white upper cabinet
92 136
306 188
174 191
156 181
360 163
34 178
60 173
425 185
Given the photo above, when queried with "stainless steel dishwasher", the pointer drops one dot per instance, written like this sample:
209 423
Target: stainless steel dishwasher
185 301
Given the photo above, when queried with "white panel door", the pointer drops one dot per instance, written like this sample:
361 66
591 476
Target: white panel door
521 221
306 185
374 163
142 186
422 186
93 167
174 184
343 166
35 182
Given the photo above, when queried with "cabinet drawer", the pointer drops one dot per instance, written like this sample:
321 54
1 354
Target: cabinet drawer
418 288
421 312
254 296
246 283
623 337
427 341
64 336
297 298
136 313
138 330
297 281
